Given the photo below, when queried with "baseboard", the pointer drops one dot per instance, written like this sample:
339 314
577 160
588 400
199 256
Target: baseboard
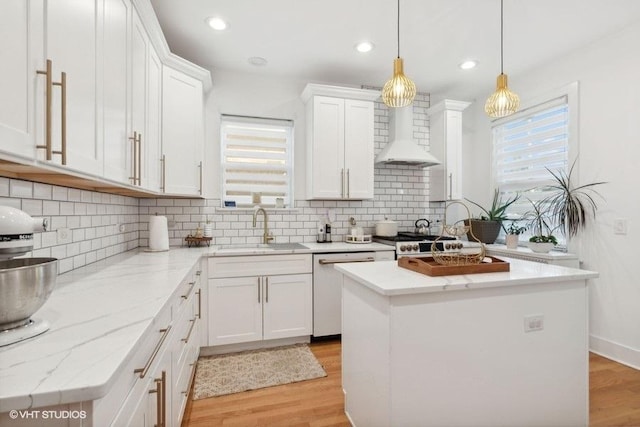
611 350
254 345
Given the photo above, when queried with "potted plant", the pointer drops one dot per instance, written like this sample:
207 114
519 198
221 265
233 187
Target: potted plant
513 234
543 239
569 206
487 227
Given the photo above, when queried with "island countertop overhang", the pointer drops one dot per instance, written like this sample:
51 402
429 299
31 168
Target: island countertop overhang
387 278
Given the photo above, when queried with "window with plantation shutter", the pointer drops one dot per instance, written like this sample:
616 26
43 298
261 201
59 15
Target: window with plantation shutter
257 158
525 145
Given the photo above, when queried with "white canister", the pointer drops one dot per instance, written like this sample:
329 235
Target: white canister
208 230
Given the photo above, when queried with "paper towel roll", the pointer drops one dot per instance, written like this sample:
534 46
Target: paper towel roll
158 233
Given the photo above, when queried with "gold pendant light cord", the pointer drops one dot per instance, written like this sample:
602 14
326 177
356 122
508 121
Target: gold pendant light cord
501 36
398 28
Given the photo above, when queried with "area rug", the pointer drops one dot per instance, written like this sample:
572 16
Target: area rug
249 370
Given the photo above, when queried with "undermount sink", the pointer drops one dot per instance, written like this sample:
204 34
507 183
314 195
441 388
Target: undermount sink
262 247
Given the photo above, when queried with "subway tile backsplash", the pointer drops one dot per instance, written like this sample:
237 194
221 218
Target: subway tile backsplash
94 220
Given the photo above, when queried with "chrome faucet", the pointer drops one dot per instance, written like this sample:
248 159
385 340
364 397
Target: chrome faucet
266 236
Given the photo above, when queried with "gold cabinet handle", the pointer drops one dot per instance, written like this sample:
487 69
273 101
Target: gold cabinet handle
158 393
48 94
193 324
199 292
186 296
139 159
342 183
348 185
259 285
200 167
162 421
163 182
63 117
266 297
134 153
48 146
323 261
144 370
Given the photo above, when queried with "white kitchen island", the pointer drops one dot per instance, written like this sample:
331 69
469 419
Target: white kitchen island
454 350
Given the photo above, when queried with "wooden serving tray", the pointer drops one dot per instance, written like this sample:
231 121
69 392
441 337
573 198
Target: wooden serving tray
428 266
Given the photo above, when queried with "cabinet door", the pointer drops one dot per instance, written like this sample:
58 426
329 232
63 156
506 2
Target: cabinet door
117 146
287 306
158 411
358 149
71 40
235 310
326 152
21 54
182 132
152 141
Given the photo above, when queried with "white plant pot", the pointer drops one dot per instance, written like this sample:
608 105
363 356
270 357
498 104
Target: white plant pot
512 241
540 248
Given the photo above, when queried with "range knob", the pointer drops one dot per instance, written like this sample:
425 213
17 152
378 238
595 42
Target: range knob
416 247
459 245
447 245
403 248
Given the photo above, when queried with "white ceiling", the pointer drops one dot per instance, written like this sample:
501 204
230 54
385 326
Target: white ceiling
314 39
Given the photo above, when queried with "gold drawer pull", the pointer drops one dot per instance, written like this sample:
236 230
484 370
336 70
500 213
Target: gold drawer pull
143 371
193 324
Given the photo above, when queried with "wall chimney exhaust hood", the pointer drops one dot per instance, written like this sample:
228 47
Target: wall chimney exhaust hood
402 149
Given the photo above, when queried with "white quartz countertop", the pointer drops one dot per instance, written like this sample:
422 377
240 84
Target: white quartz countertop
97 314
386 278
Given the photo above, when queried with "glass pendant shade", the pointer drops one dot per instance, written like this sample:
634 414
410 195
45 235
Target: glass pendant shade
399 91
502 102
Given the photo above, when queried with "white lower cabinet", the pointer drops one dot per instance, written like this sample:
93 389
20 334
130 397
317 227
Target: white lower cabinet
159 377
259 298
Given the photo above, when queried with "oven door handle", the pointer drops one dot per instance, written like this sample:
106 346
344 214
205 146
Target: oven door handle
342 261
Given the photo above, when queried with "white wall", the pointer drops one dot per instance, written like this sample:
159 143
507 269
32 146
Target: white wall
609 148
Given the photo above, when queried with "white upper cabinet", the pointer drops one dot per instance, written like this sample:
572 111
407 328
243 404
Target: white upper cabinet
182 133
71 35
340 146
152 145
445 142
115 102
83 92
21 53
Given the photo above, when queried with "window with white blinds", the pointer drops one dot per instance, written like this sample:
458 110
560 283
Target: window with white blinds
525 145
257 160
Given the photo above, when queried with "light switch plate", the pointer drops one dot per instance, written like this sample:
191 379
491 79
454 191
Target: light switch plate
534 323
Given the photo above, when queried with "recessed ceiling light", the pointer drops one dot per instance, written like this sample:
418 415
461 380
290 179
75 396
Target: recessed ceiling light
468 64
258 61
216 23
364 47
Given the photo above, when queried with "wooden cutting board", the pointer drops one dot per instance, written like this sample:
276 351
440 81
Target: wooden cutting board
428 266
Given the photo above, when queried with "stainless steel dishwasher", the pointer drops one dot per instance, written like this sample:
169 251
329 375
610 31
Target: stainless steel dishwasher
327 288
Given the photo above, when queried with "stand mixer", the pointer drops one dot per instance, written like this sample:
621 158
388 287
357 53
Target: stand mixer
25 283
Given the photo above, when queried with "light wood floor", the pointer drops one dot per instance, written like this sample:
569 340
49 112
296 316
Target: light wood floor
614 398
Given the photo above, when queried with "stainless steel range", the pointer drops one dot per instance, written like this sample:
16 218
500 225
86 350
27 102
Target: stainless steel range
417 244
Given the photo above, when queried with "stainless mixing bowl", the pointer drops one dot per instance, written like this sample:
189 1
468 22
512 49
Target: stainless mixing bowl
25 284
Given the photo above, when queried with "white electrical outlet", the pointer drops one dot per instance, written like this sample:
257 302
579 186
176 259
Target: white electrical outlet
63 235
122 228
620 226
534 323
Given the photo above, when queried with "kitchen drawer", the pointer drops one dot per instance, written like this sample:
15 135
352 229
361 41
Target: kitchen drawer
144 356
186 289
259 265
186 333
183 379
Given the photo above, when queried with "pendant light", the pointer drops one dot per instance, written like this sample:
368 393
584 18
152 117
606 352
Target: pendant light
399 91
502 102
